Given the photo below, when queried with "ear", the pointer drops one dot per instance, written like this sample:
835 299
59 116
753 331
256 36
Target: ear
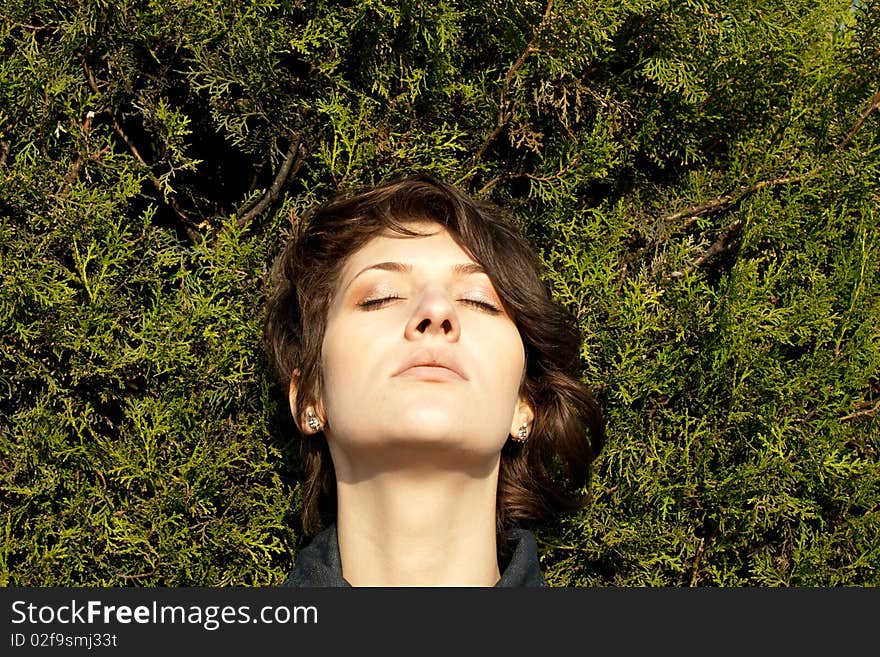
524 413
300 415
292 388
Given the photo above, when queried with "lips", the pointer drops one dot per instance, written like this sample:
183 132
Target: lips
431 366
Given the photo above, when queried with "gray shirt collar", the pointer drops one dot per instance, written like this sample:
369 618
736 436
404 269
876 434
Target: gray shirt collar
319 563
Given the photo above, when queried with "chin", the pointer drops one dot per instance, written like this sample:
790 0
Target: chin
445 433
420 445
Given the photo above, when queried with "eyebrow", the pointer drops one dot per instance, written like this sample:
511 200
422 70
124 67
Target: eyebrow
463 269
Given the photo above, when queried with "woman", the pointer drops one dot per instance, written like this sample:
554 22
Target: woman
436 386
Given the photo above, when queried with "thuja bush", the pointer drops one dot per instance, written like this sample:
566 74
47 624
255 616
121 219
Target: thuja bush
701 179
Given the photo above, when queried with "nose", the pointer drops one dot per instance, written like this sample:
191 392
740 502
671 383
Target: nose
434 314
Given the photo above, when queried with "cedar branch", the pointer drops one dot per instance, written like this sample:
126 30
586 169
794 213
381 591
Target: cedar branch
138 576
489 185
726 200
696 573
529 48
873 105
869 412
502 119
293 160
720 244
27 26
77 164
556 176
701 209
171 201
513 176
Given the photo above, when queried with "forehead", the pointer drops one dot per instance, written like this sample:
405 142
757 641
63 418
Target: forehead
434 246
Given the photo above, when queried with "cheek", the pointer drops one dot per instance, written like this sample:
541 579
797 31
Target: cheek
507 360
347 360
334 352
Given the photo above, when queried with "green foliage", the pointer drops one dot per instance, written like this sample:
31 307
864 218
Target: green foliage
702 181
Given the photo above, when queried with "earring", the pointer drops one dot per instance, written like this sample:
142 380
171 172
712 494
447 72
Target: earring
312 421
522 434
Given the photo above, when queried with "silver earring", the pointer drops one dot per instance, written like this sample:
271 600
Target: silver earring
312 421
522 434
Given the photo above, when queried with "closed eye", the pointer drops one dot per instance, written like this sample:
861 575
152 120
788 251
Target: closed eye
374 304
482 305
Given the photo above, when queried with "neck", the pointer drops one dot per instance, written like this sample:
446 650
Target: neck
418 527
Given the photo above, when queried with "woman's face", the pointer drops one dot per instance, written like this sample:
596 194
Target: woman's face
419 353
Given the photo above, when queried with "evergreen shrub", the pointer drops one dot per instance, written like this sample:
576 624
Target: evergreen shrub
701 179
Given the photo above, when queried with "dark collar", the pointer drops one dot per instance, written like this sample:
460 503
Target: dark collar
319 563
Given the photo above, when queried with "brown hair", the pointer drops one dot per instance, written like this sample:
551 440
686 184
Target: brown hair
544 475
